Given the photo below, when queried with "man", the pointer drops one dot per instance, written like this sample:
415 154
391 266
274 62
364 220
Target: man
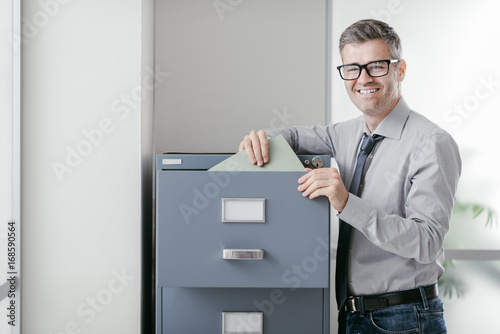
396 212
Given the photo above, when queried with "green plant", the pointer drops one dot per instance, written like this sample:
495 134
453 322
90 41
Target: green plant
476 210
451 285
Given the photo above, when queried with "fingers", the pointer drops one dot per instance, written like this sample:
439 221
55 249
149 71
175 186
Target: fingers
306 176
242 145
317 188
264 145
319 178
257 147
324 182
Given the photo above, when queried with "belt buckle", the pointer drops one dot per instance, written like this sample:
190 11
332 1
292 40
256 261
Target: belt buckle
350 304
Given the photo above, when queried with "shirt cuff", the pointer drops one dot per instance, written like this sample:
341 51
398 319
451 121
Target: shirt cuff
356 212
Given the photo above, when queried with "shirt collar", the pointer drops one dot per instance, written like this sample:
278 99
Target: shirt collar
392 125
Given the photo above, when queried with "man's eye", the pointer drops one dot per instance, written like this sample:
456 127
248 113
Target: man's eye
377 66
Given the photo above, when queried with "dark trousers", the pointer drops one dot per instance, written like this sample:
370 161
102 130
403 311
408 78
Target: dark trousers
425 317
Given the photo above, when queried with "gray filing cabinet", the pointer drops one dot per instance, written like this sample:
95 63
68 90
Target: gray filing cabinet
238 252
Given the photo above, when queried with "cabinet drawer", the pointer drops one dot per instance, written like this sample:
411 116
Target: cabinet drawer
192 236
188 311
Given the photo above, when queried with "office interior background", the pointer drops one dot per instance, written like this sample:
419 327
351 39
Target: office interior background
90 126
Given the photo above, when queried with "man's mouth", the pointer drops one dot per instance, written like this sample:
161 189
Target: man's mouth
368 91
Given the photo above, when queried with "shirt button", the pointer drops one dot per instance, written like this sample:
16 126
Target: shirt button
350 283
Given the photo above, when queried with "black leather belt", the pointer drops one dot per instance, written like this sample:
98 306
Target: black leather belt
377 302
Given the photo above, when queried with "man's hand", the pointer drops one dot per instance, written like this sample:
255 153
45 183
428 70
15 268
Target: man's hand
257 147
325 182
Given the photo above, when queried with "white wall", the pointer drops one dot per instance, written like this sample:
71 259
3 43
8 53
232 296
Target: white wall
81 181
6 210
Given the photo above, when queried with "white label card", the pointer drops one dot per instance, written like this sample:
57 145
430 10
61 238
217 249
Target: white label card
243 210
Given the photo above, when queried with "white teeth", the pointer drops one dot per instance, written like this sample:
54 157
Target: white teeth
368 91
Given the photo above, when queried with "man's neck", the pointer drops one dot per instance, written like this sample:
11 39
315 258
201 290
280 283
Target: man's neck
374 119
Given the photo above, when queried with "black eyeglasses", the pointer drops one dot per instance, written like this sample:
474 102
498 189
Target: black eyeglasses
377 68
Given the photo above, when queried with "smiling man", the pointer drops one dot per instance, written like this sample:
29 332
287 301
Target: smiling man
394 190
377 89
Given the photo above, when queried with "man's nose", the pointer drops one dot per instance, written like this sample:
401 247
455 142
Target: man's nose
364 77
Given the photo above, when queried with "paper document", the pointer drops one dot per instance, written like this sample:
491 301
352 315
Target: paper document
281 158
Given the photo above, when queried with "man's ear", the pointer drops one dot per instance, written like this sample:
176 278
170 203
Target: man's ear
401 70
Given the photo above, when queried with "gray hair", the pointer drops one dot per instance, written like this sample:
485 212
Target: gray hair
366 30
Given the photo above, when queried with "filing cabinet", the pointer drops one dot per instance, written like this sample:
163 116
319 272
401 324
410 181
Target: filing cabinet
239 251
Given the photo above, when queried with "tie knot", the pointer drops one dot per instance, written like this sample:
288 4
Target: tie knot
369 142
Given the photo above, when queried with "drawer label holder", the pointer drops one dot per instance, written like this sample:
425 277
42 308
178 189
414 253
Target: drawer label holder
243 210
242 322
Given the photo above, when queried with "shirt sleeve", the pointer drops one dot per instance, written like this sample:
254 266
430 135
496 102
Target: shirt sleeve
418 232
307 140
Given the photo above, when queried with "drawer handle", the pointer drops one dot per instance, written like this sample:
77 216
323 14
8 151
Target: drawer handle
243 254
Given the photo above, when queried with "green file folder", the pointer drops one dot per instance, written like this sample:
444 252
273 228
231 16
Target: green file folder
281 158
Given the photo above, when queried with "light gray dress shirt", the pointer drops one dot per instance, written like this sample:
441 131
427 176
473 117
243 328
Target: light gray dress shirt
403 212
